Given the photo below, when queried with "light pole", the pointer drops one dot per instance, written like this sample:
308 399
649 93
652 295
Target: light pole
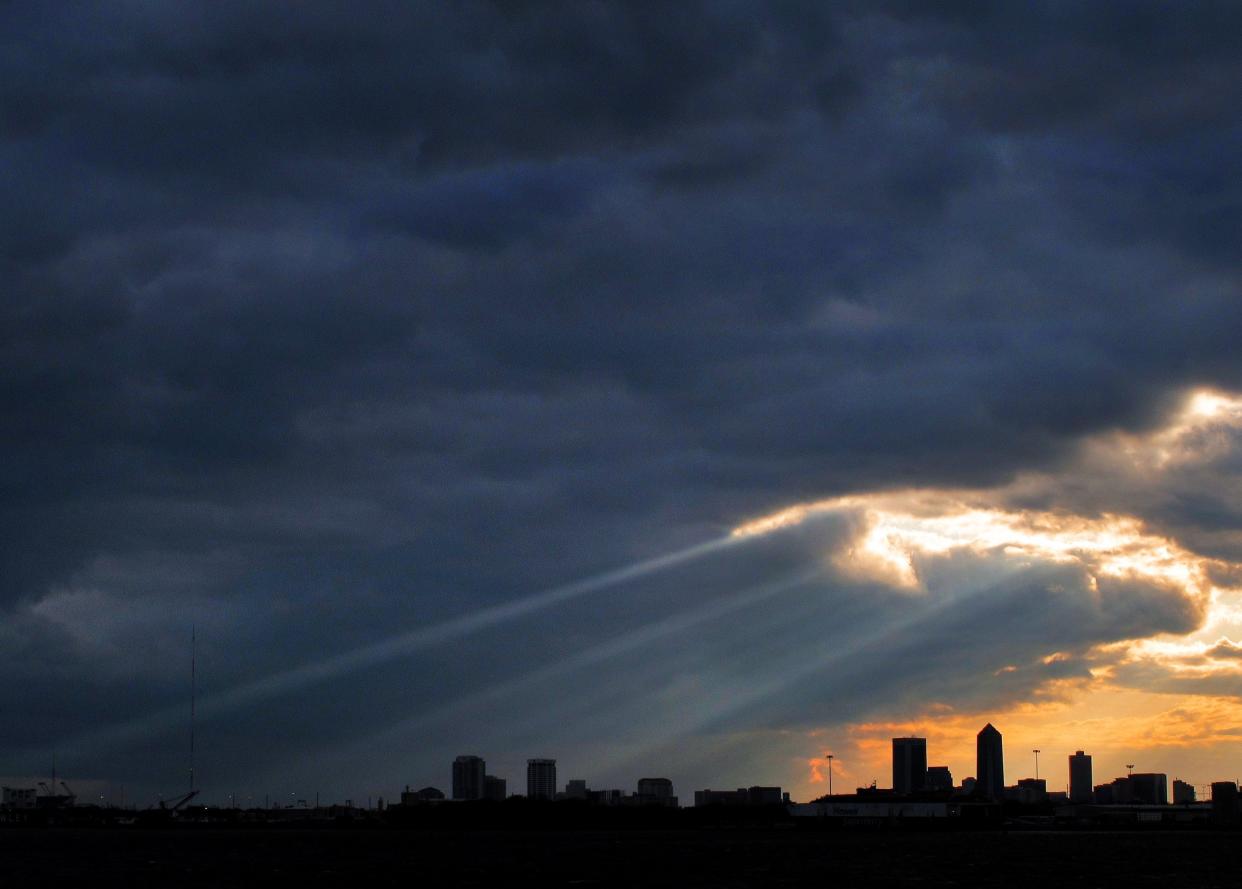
830 758
1129 769
1036 752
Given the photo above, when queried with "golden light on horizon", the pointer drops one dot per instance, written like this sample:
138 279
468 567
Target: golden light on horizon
1169 699
1173 735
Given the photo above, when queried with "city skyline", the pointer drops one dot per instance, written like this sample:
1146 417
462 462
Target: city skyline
683 390
469 778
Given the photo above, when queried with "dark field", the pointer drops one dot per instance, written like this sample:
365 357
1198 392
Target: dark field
729 857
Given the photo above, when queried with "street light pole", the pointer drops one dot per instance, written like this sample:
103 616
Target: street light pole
1036 752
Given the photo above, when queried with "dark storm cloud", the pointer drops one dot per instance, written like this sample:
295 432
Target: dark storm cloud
319 322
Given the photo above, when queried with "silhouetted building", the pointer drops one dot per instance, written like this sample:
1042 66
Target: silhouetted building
1183 793
909 765
989 763
968 785
1028 791
541 778
1105 794
605 797
939 778
494 788
743 796
469 775
1145 788
656 791
764 796
415 797
1080 778
1225 805
576 788
1151 788
19 797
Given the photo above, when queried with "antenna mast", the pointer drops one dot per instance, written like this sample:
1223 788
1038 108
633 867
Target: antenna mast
193 693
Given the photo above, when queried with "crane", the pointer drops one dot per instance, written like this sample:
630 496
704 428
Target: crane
172 805
55 800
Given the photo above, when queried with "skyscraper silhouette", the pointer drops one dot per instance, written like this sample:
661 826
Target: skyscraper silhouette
468 777
989 763
1080 778
541 778
909 765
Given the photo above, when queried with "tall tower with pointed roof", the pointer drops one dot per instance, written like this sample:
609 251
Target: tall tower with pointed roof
989 763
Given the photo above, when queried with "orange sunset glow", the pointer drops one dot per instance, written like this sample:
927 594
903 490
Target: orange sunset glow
1168 701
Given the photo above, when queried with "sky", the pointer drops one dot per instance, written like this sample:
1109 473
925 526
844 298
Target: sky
670 389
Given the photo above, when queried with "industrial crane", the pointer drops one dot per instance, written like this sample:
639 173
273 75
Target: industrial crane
172 805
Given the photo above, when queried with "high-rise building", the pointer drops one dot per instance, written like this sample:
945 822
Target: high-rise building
909 765
1183 793
469 774
989 763
1080 790
541 778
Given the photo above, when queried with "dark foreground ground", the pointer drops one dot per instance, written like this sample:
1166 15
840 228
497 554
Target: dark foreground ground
724 857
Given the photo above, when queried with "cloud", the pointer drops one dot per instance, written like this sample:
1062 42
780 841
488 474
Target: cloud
322 326
1225 648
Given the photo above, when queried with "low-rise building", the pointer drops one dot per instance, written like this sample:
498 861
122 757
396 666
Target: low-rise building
743 796
576 788
19 797
655 791
495 789
939 778
421 797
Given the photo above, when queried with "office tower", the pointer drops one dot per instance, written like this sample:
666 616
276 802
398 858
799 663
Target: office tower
494 788
909 765
939 778
990 763
541 778
1080 790
469 773
1183 793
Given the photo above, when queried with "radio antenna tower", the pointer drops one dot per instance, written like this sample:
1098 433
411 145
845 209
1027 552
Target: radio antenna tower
193 694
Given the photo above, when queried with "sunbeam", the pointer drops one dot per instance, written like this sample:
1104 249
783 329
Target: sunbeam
390 649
